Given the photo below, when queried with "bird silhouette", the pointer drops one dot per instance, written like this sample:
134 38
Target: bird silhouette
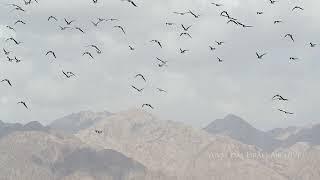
130 1
139 90
88 53
260 56
24 104
68 74
259 12
121 28
141 76
290 36
131 48
169 24
52 17
182 51
19 21
185 28
95 1
212 48
98 131
15 41
148 105
286 112
162 90
219 60
52 53
79 29
193 14
158 42
293 58
69 22
11 28
8 81
216 4
297 7
96 48
277 21
219 43
279 97
312 44
64 28
186 34
6 52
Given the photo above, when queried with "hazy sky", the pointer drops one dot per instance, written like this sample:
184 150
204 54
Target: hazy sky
200 89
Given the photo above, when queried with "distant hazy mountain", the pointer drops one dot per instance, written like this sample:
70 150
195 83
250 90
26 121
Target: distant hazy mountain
283 133
43 156
309 135
238 129
7 128
77 121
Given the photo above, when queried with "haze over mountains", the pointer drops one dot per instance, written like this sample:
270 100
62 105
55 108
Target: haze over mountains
136 145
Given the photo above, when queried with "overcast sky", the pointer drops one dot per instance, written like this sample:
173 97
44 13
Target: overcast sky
200 89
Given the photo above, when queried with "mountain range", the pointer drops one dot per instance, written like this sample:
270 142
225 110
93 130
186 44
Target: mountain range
135 145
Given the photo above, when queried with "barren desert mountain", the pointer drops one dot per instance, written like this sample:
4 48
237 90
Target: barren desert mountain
7 128
41 156
74 122
284 133
184 152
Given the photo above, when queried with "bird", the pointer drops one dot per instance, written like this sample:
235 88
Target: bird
196 16
290 36
243 25
169 24
294 58
158 42
64 28
51 52
185 28
185 33
219 60
286 112
52 17
95 1
277 21
95 24
216 4
140 75
24 104
19 21
17 60
182 51
297 7
98 131
273 1
233 21
120 27
260 56
8 81
88 53
161 90
79 29
219 43
15 41
96 48
180 13
148 105
225 14
10 59
68 74
139 90
112 19
6 52
16 7
69 22
259 12
131 48
279 97
130 1
312 44
162 61
212 48
11 28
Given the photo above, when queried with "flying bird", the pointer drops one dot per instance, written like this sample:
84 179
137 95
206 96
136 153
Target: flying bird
185 28
8 81
6 52
219 43
297 7
11 28
139 90
140 75
98 131
161 90
130 1
95 1
290 36
277 21
279 97
15 41
96 48
120 27
52 17
180 13
19 21
88 53
219 60
212 48
24 104
193 14
17 60
10 59
158 42
216 4
312 44
182 51
64 28
69 22
259 12
294 58
131 48
169 24
68 74
260 56
148 105
79 29
52 53
273 1
286 112
186 34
